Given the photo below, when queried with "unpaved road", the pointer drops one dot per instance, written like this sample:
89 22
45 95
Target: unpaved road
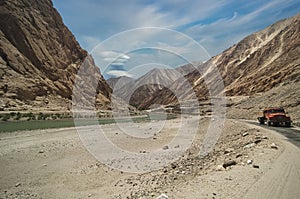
283 178
54 163
291 133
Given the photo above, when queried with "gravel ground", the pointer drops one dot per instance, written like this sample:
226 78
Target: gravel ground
54 163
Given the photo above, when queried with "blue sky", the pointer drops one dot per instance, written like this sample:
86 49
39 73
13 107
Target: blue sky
214 24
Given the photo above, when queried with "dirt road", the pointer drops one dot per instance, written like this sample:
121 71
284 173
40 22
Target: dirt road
54 163
292 134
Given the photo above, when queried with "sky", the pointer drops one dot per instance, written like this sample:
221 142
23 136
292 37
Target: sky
130 37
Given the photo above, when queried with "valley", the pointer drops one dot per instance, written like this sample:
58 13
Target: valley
189 131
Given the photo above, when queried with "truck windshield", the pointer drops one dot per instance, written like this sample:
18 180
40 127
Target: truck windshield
276 111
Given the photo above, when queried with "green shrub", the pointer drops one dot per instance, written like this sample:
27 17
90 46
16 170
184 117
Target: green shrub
30 116
6 117
18 116
58 115
54 117
41 116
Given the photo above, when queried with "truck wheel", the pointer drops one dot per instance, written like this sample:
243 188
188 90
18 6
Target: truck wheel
288 124
261 121
268 123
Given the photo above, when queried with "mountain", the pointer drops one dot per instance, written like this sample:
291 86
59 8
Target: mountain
260 62
137 91
39 58
119 80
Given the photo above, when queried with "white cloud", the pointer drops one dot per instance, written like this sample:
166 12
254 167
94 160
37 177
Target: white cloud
118 73
216 24
110 57
224 32
137 47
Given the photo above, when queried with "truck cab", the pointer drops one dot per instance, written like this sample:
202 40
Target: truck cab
275 117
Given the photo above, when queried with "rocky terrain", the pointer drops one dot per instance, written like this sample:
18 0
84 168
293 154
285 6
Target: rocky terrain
39 59
265 60
137 91
123 80
54 163
144 87
249 107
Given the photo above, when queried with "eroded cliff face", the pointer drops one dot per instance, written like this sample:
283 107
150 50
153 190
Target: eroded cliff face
39 58
260 62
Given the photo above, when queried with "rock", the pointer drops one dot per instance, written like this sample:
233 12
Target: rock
162 196
18 184
228 150
274 146
245 134
177 146
219 168
90 195
249 161
248 146
44 165
41 151
228 178
238 155
173 166
255 166
257 141
165 147
229 163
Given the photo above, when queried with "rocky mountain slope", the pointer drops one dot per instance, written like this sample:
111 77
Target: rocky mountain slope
260 62
39 58
137 91
119 80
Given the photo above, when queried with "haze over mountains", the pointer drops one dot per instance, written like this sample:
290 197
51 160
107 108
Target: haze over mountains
39 60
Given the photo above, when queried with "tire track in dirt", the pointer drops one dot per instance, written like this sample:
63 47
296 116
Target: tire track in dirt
283 179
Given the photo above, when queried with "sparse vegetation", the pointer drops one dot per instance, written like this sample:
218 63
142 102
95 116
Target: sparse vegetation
41 116
54 117
30 116
18 116
31 121
5 117
34 116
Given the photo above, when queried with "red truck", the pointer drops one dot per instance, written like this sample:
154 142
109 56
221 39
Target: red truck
275 117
